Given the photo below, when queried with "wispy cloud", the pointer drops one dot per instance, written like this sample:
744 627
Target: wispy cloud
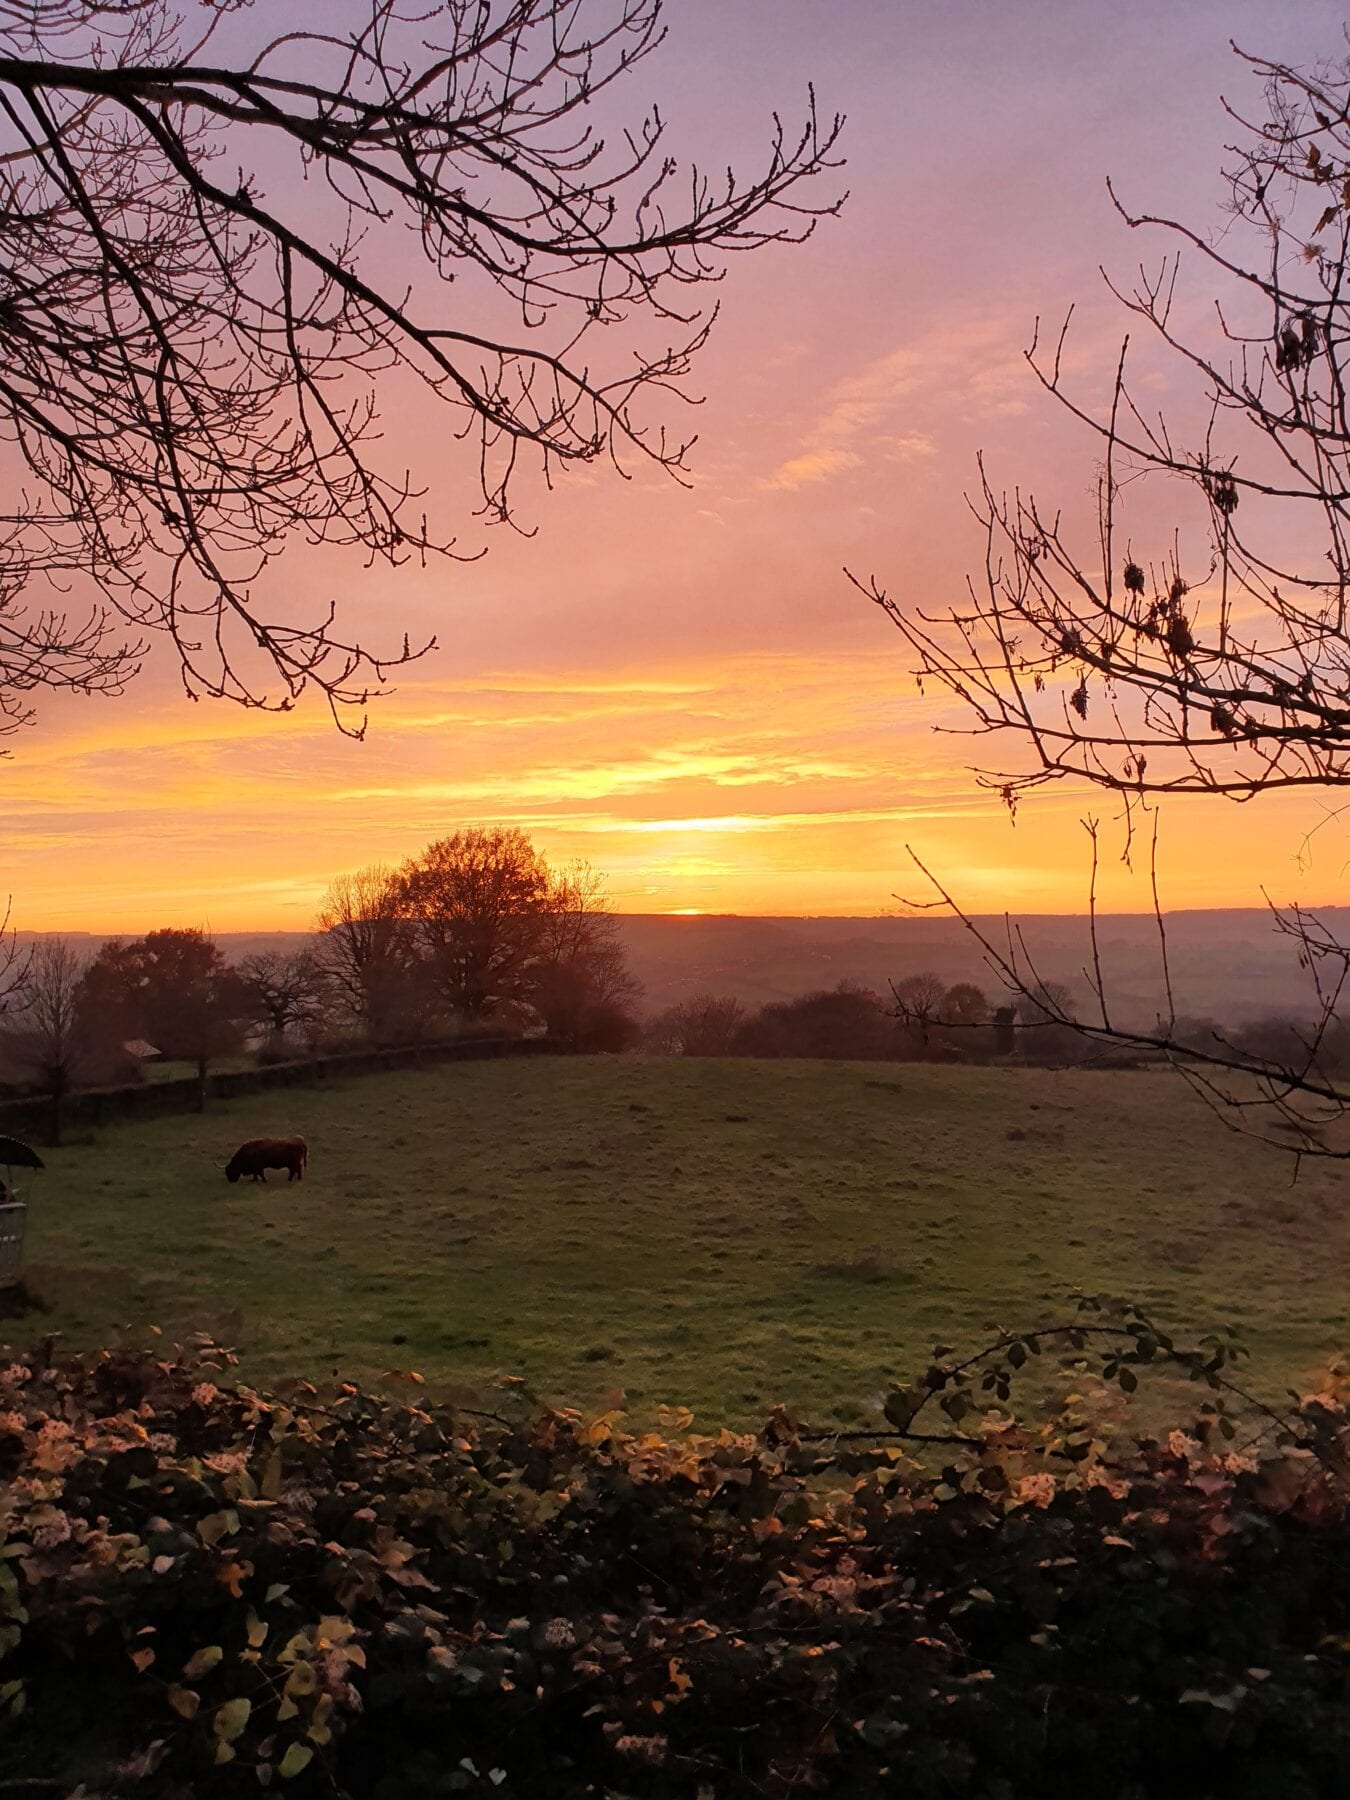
812 465
882 413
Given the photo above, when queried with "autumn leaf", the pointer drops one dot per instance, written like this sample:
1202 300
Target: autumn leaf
201 1662
184 1702
231 1575
217 1525
296 1760
302 1679
231 1718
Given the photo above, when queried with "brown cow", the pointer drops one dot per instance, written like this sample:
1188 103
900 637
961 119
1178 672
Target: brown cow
261 1154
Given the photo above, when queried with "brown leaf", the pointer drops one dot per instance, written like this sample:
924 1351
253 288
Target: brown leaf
184 1702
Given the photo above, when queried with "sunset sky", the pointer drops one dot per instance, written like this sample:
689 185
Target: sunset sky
680 685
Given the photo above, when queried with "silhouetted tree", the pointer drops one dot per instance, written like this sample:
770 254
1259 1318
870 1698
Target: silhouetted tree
172 987
848 1021
581 984
51 1038
365 950
478 905
214 251
285 993
1209 653
1047 1018
13 966
918 1007
965 1004
705 1025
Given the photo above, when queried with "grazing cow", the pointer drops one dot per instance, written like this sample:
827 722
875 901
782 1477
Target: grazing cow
261 1154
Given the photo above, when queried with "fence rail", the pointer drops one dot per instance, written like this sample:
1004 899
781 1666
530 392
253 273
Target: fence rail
13 1218
92 1107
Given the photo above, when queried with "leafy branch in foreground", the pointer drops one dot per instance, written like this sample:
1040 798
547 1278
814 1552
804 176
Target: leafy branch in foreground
209 1590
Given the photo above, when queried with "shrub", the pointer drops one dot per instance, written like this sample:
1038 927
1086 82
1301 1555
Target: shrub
207 1590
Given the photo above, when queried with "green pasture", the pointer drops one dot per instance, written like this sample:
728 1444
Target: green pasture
717 1234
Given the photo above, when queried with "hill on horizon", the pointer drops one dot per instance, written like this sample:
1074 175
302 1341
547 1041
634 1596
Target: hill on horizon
1227 963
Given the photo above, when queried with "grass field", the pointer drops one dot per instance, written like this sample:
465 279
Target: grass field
717 1234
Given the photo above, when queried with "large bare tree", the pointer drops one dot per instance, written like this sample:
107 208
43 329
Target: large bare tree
581 985
1194 638
221 233
52 1042
366 952
287 994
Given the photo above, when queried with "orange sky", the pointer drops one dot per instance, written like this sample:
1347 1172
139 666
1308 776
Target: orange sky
680 685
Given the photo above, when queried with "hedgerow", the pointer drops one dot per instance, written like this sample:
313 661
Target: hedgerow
210 1590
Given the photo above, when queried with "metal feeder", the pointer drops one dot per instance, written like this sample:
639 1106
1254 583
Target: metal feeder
14 1154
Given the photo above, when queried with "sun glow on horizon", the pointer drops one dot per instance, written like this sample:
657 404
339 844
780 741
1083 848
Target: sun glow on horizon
829 765
678 685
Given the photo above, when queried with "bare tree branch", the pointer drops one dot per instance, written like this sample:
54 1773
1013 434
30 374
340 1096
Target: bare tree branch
1218 662
188 362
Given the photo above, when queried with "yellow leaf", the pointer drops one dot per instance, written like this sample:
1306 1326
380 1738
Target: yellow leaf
257 1631
296 1759
184 1702
201 1662
287 1709
231 1719
224 1752
270 1485
216 1525
302 1679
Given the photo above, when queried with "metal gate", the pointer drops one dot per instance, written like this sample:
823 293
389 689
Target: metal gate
13 1218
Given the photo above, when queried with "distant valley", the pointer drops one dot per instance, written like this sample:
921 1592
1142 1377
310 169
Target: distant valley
1230 965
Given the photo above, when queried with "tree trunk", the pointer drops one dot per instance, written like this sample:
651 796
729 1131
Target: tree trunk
201 1084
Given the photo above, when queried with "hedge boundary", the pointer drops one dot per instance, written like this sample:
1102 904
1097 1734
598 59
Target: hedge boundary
89 1108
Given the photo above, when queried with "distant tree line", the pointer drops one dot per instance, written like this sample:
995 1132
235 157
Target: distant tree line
477 932
921 1019
924 1019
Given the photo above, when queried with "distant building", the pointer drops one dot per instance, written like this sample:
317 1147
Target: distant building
139 1051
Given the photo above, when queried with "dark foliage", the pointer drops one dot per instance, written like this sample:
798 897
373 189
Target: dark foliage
205 1590
848 1021
478 930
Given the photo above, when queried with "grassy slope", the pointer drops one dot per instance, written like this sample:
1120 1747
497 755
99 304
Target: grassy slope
717 1234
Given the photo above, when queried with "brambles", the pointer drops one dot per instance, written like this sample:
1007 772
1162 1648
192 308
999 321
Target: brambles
208 1590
